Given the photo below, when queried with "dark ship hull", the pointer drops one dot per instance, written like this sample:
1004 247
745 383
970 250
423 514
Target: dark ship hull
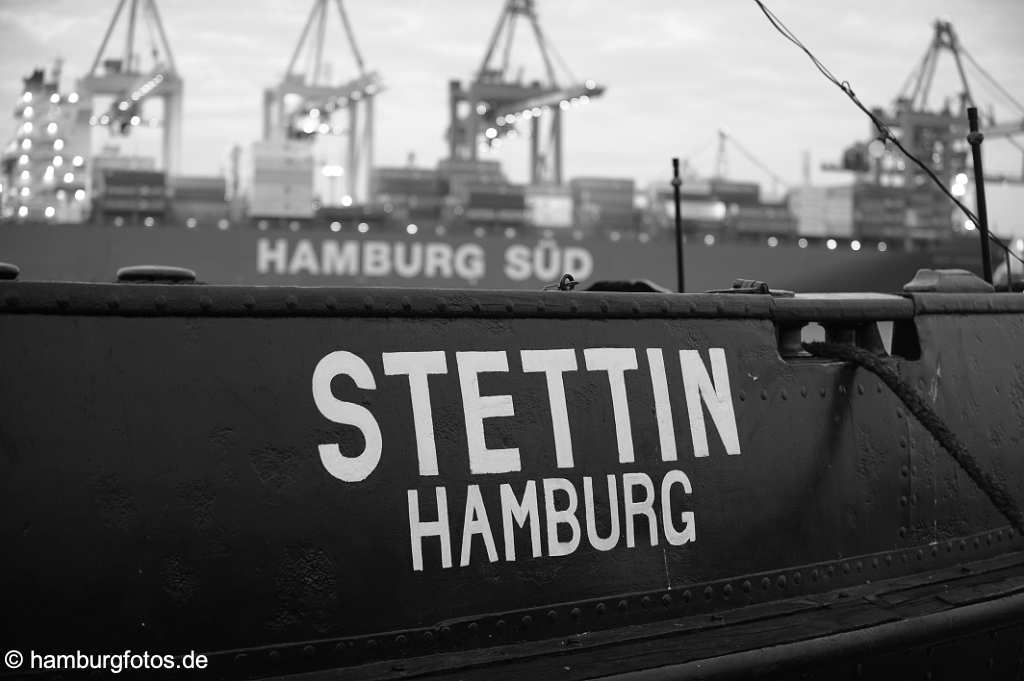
387 483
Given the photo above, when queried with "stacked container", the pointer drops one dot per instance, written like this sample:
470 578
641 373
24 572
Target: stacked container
414 194
762 218
126 192
879 212
279 179
549 206
809 205
602 204
199 198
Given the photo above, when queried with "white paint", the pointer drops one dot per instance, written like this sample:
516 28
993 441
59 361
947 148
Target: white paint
616 361
477 407
520 511
716 396
342 467
643 507
304 258
271 258
553 363
418 366
565 516
596 540
662 405
420 529
376 258
547 262
339 259
672 535
475 522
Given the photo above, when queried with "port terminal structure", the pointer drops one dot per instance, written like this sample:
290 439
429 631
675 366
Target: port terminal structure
304 104
491 107
122 76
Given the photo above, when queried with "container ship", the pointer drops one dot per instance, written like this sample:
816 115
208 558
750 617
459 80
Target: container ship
305 204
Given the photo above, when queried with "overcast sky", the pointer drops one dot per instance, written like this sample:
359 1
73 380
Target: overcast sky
675 71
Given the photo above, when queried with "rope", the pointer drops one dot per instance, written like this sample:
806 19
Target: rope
885 369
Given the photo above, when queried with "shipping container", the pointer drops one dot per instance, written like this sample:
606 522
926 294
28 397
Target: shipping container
762 218
809 207
549 206
197 188
727 191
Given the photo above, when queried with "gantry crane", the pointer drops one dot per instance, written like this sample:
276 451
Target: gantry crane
495 104
305 103
124 77
937 135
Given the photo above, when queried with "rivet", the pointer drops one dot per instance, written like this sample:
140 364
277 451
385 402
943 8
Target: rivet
821 391
623 605
781 582
903 443
903 501
666 600
814 575
159 302
509 307
291 302
904 471
859 566
205 302
920 554
367 303
665 307
903 532
797 578
803 391
443 306
935 550
860 389
309 651
988 539
601 607
240 658
899 413
764 394
113 303
552 615
842 390
636 308
708 593
248 303
977 543
526 621
476 306
406 304
727 590
340 648
473 627
540 306
575 613
878 388
445 631
401 639
372 644
604 306
331 303
428 636
766 583
274 656
784 395
500 625
963 545
743 396
746 585
645 601
575 307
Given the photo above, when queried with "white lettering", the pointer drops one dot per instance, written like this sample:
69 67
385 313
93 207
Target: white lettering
355 468
339 259
477 407
616 361
645 507
521 512
438 528
438 261
553 363
469 262
304 258
715 395
376 258
556 517
476 523
609 542
418 366
689 532
578 262
412 267
662 405
517 263
267 257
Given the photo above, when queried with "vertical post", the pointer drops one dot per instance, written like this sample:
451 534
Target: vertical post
974 138
676 182
352 160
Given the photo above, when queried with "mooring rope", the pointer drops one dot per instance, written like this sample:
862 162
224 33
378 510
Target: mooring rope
885 369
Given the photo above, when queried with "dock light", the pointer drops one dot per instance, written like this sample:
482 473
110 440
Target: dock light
25 192
831 244
440 230
25 176
478 232
191 223
773 242
58 161
293 225
58 144
51 128
26 97
308 126
119 221
332 171
27 128
536 111
1018 245
527 114
324 129
77 161
802 242
411 229
73 97
135 120
54 98
224 224
854 245
481 109
69 177
968 225
262 225
961 178
363 228
563 105
123 105
590 85
335 226
510 233
104 119
49 212
23 159
26 144
346 201
315 113
29 112
23 211
643 237
882 247
149 222
577 235
584 99
79 195
61 195
614 236
709 239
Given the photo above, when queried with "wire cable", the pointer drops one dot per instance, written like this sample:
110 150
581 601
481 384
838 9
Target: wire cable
883 129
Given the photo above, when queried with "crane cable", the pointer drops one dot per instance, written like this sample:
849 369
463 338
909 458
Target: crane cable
882 128
885 369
